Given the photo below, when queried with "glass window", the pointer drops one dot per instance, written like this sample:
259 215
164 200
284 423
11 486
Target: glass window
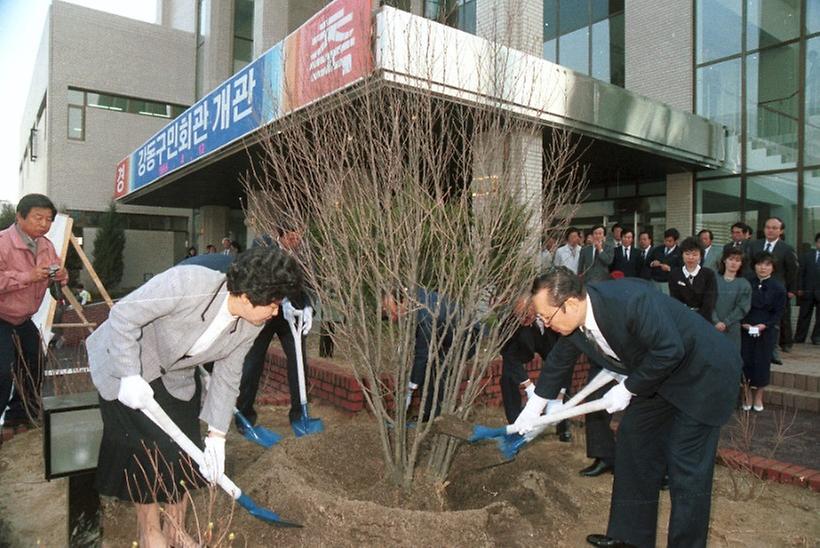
242 33
812 16
109 102
242 52
812 120
76 123
600 50
773 196
617 50
717 206
651 188
466 16
608 50
76 97
719 25
770 23
773 99
811 205
574 49
550 30
718 93
574 15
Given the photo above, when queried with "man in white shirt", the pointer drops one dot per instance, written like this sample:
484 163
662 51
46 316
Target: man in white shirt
567 255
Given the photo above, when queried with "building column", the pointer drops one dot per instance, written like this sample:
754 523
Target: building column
680 197
214 225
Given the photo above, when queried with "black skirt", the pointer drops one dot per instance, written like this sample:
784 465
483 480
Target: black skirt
140 463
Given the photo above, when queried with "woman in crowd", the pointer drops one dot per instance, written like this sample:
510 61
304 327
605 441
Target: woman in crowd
758 336
692 284
734 295
150 347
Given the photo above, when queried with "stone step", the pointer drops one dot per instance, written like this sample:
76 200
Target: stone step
785 377
792 398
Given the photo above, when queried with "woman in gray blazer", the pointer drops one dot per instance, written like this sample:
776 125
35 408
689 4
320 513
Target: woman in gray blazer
150 347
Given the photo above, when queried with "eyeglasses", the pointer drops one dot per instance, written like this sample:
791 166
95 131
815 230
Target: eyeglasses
548 321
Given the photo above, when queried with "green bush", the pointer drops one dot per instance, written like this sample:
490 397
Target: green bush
109 245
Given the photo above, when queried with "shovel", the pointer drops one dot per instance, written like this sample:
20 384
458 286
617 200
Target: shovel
508 440
257 434
164 422
305 425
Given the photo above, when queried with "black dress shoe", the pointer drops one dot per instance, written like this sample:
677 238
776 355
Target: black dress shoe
597 468
564 432
777 361
608 542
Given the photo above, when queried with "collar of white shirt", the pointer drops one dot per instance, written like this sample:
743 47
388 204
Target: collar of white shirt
772 244
221 321
592 327
694 273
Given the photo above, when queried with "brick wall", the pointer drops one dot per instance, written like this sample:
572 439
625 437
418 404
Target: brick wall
679 200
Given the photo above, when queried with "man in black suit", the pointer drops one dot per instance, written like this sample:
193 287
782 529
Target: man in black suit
627 257
741 232
664 258
681 387
594 261
785 272
645 243
808 292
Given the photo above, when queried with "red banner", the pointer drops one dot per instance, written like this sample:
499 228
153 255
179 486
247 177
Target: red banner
122 177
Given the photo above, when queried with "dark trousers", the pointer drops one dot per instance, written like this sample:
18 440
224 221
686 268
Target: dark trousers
511 388
255 362
655 437
600 439
26 367
807 304
786 338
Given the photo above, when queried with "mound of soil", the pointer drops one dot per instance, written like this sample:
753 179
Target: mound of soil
334 484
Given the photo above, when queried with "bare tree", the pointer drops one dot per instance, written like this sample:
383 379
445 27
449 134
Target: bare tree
395 189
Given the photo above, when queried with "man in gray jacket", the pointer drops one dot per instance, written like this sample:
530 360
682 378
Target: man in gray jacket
595 259
150 347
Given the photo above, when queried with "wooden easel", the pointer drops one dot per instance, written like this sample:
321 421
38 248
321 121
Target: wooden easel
67 292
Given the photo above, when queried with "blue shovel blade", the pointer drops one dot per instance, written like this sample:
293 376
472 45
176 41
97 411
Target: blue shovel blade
481 432
263 513
262 436
510 444
306 425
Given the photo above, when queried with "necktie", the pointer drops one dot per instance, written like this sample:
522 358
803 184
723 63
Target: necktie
591 338
626 251
768 247
665 251
594 250
817 257
690 279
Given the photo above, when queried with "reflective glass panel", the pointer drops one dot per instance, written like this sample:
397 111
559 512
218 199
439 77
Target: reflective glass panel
773 100
812 121
719 28
574 14
550 30
75 123
718 93
717 203
243 19
573 49
76 97
811 205
600 50
771 22
812 16
773 196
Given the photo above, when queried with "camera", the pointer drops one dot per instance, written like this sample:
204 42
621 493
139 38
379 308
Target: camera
52 270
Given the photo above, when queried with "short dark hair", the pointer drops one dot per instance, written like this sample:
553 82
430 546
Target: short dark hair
616 225
627 231
691 244
237 245
642 232
730 252
265 275
707 231
596 227
671 233
741 225
29 201
570 230
561 283
817 236
763 257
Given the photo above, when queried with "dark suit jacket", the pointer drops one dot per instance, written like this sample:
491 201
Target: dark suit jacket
644 271
809 278
785 263
701 294
673 259
595 270
665 349
630 268
522 347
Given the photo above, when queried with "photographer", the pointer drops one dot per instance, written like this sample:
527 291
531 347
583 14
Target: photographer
29 264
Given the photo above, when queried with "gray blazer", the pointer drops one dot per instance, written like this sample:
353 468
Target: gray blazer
149 332
597 270
712 259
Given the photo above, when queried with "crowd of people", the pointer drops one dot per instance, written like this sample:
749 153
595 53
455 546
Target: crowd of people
686 323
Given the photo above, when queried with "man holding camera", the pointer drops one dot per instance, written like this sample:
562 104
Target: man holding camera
29 264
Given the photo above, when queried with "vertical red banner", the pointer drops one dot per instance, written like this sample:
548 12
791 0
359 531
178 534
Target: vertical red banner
331 50
122 177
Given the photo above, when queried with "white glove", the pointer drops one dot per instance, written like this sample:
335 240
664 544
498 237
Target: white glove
135 392
288 312
617 398
535 406
529 390
552 407
214 457
307 319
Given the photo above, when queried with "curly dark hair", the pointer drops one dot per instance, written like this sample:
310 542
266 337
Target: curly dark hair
265 275
561 283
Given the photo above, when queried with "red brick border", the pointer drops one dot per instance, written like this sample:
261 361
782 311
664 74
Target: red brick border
770 469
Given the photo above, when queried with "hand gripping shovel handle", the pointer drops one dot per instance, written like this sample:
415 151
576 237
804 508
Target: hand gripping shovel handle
161 419
603 377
